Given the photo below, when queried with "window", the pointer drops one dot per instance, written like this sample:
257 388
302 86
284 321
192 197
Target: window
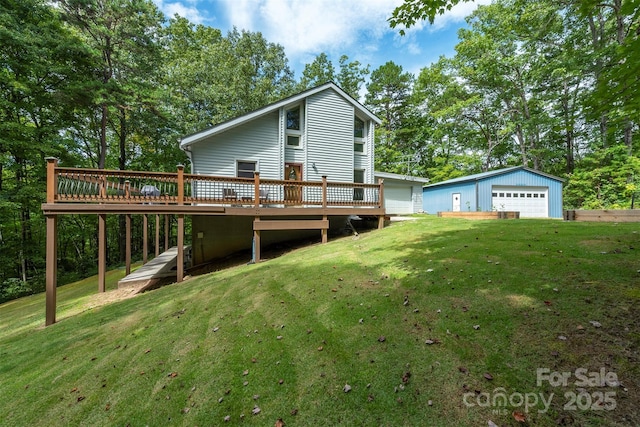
293 118
245 169
358 135
542 195
293 140
358 128
494 194
294 127
358 176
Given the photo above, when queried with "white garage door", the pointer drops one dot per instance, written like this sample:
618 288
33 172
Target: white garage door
531 202
397 200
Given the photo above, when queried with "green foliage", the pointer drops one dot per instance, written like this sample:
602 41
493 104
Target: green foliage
412 11
606 179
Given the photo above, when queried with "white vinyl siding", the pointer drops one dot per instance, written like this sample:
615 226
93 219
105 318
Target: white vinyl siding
329 137
254 141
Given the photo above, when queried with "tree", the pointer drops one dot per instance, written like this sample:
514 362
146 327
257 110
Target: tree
318 72
351 76
388 96
209 78
41 69
412 11
122 34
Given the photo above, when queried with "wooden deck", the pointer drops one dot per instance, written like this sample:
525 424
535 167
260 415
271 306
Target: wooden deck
76 191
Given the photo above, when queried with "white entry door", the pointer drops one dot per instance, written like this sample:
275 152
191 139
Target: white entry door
455 200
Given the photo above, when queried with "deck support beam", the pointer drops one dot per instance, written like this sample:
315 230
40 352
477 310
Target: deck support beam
102 252
180 260
145 238
127 244
52 269
157 249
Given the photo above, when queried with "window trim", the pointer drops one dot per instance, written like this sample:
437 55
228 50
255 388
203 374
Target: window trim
255 168
294 132
360 141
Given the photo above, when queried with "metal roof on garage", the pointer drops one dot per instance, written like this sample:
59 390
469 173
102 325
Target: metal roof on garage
489 174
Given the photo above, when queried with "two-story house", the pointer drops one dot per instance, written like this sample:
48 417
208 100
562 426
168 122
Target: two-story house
321 132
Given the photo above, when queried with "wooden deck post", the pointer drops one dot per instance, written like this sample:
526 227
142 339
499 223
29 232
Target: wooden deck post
256 189
166 232
102 252
180 260
51 270
157 250
145 238
381 203
51 276
127 244
52 179
325 231
324 191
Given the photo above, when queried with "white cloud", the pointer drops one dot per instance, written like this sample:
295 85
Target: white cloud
307 28
191 11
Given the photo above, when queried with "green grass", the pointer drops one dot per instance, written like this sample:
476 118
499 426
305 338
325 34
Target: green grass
289 333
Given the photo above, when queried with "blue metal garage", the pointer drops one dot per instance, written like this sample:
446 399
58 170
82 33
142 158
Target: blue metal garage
532 193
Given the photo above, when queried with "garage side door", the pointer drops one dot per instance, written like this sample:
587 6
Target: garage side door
531 202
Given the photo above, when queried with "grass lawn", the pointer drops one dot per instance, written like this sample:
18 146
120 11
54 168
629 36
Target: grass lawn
437 322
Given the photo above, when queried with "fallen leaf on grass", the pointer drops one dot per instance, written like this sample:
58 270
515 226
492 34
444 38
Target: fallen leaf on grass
346 388
80 398
227 418
279 423
256 410
382 338
488 376
245 373
294 411
519 417
106 408
73 390
595 324
463 369
548 303
405 377
172 374
491 424
476 327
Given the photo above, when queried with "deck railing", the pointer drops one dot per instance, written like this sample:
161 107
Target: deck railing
76 185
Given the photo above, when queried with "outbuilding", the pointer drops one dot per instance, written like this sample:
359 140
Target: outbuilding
532 193
402 193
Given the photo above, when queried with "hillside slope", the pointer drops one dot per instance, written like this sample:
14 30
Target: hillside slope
426 322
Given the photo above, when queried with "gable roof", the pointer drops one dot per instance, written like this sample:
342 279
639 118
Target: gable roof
399 177
484 175
229 124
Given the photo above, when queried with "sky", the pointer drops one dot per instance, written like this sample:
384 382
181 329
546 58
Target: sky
356 28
